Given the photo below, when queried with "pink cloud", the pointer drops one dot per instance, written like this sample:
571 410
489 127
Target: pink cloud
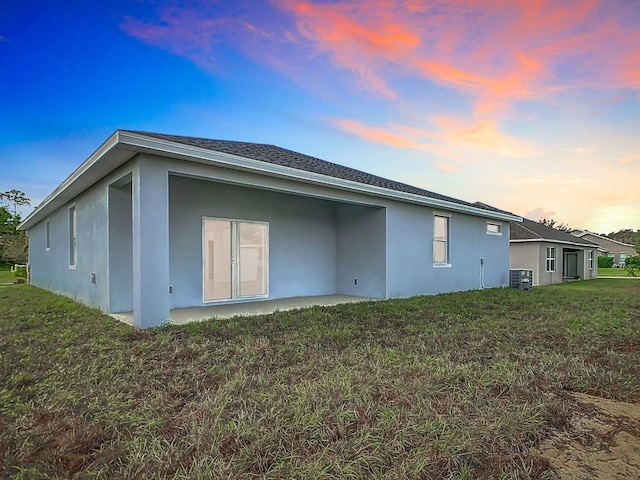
183 33
539 213
444 167
375 134
609 101
495 52
483 136
446 136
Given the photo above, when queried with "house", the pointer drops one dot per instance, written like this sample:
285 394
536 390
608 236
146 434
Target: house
607 247
152 222
554 256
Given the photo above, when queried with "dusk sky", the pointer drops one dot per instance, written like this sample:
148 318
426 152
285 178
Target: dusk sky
530 106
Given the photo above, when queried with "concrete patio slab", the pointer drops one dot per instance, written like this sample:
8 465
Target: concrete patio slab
180 316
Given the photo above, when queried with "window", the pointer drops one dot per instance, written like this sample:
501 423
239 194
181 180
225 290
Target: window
623 257
73 238
494 228
590 259
551 259
441 240
47 236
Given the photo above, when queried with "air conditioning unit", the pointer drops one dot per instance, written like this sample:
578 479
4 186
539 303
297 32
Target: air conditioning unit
522 279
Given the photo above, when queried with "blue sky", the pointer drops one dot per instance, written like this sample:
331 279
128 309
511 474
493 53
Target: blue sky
533 107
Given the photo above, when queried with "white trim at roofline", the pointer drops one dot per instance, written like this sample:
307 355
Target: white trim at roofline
564 242
236 161
587 232
139 143
105 148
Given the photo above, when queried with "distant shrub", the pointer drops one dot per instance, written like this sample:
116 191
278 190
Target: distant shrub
605 262
632 264
21 273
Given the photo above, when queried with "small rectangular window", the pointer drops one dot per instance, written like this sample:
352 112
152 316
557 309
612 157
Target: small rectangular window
494 228
590 259
441 239
47 236
551 259
73 238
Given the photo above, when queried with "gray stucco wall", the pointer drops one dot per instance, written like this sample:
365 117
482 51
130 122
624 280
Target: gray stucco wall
410 266
320 239
526 256
302 237
51 270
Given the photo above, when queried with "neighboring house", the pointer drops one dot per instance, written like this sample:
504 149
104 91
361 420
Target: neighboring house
609 248
153 222
554 256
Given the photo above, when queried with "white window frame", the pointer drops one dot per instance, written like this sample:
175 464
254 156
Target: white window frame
590 259
551 259
47 236
497 225
72 215
446 240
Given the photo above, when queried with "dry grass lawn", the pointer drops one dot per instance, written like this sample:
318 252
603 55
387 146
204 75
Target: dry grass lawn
465 385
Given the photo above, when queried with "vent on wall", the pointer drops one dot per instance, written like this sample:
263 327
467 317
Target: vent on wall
522 279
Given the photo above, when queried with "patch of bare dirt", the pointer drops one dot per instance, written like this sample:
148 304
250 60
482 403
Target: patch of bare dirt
604 442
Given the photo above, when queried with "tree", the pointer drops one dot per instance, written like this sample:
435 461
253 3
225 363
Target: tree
626 235
13 242
14 198
553 224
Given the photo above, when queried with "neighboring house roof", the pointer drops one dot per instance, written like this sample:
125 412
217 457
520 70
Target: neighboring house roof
530 231
600 240
264 159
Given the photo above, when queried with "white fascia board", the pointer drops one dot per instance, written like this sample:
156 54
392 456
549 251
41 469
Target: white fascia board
106 147
138 143
607 239
165 147
563 242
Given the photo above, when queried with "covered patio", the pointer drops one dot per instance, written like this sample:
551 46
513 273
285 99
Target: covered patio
180 316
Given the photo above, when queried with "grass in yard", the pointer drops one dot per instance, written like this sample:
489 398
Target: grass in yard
7 276
612 272
449 386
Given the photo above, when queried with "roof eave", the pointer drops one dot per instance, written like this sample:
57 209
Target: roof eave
84 172
194 153
550 240
88 174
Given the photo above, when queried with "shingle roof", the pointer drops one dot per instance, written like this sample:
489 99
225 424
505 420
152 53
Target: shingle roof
530 230
288 158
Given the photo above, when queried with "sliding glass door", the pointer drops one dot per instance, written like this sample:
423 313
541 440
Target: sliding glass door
236 258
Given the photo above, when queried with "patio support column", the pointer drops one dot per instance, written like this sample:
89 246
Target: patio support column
150 205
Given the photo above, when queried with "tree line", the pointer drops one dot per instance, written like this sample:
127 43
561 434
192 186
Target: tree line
13 242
